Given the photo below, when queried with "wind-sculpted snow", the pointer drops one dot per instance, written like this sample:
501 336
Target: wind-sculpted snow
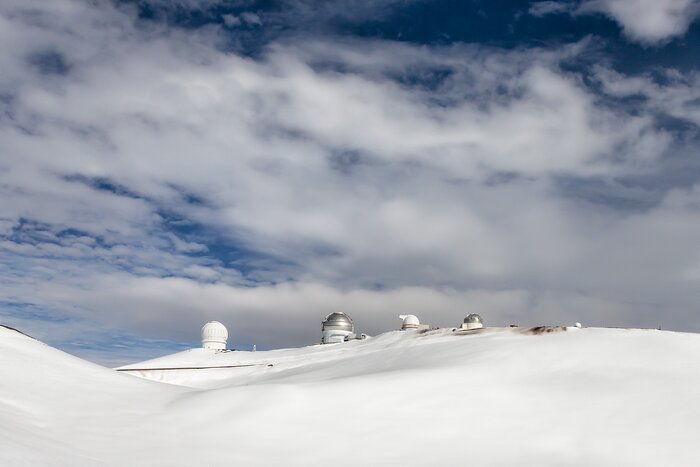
588 397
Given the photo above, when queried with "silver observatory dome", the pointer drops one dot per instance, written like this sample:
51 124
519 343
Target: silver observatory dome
473 318
336 327
338 321
473 321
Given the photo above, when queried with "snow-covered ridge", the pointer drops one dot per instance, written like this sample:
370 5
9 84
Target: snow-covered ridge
588 397
207 368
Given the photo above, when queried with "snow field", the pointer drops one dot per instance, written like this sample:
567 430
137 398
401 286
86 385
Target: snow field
589 397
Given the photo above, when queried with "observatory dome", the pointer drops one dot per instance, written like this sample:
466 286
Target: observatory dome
473 321
214 335
409 322
335 327
339 321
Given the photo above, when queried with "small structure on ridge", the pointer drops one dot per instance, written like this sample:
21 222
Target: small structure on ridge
214 336
409 322
473 321
412 323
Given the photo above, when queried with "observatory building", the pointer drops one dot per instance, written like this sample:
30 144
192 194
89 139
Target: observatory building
214 336
473 321
336 327
409 322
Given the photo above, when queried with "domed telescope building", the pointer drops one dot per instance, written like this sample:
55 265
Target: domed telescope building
214 336
336 327
409 322
473 321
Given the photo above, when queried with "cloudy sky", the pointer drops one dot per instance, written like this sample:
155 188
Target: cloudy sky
266 162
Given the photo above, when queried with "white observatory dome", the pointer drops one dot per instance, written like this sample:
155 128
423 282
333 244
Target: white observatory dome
409 322
473 321
336 327
214 335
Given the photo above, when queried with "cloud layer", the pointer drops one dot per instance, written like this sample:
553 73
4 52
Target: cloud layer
152 179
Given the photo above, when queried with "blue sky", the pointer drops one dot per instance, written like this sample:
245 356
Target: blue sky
264 163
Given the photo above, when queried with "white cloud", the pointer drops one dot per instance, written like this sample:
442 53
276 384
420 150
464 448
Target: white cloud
360 191
231 20
650 22
539 9
247 17
251 18
647 21
678 97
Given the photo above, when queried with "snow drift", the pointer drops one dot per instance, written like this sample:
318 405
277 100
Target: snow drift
588 397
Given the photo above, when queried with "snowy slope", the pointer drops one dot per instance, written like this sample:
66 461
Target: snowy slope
590 397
